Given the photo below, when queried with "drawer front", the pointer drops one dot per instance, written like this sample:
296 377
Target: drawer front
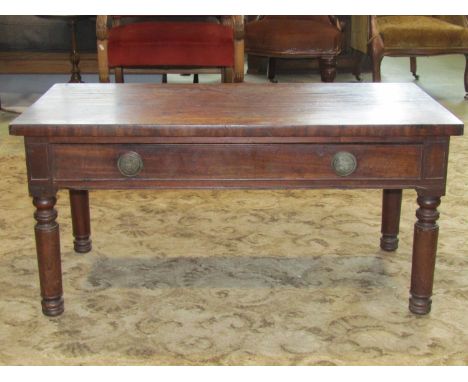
88 162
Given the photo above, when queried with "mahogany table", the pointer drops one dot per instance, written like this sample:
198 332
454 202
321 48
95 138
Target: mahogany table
262 136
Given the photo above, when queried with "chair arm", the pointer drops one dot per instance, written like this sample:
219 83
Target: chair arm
373 27
375 42
101 27
237 25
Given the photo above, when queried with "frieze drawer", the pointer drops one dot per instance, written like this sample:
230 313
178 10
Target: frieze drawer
237 162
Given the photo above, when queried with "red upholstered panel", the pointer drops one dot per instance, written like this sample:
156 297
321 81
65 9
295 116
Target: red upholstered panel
171 44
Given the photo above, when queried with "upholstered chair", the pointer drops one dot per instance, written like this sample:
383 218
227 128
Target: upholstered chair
314 37
171 44
411 36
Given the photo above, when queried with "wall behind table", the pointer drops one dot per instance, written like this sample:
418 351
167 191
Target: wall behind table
33 44
38 34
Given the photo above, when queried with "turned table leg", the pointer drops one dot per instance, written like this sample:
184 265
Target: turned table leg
79 203
426 232
391 209
48 255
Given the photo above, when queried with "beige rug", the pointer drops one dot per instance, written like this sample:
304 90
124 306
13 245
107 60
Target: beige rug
232 277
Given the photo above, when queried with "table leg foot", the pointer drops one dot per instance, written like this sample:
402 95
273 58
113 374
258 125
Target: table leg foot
79 203
420 305
426 232
48 255
52 306
391 209
82 245
389 243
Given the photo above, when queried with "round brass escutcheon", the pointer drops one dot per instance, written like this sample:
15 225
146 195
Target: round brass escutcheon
130 164
344 163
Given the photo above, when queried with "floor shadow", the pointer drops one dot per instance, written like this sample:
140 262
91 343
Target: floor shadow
242 272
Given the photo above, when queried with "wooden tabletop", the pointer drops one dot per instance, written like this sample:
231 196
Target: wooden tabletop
236 110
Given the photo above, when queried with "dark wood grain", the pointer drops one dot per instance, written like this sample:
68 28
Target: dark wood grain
236 110
228 161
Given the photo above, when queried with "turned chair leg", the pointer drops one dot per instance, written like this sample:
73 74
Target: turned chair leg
426 232
327 68
391 210
79 203
413 67
466 76
272 70
48 255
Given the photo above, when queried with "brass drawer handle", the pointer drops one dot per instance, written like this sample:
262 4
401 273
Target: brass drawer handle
130 164
344 163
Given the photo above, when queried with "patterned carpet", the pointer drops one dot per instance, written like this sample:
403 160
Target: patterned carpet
232 277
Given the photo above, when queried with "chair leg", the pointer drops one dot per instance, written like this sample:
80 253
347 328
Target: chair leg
376 49
119 75
466 76
376 61
359 59
272 70
195 78
239 52
102 61
413 67
327 68
227 75
164 78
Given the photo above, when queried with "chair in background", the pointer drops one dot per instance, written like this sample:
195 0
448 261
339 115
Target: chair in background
314 37
413 36
181 45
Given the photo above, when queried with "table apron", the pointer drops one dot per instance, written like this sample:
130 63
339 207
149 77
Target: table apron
52 166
